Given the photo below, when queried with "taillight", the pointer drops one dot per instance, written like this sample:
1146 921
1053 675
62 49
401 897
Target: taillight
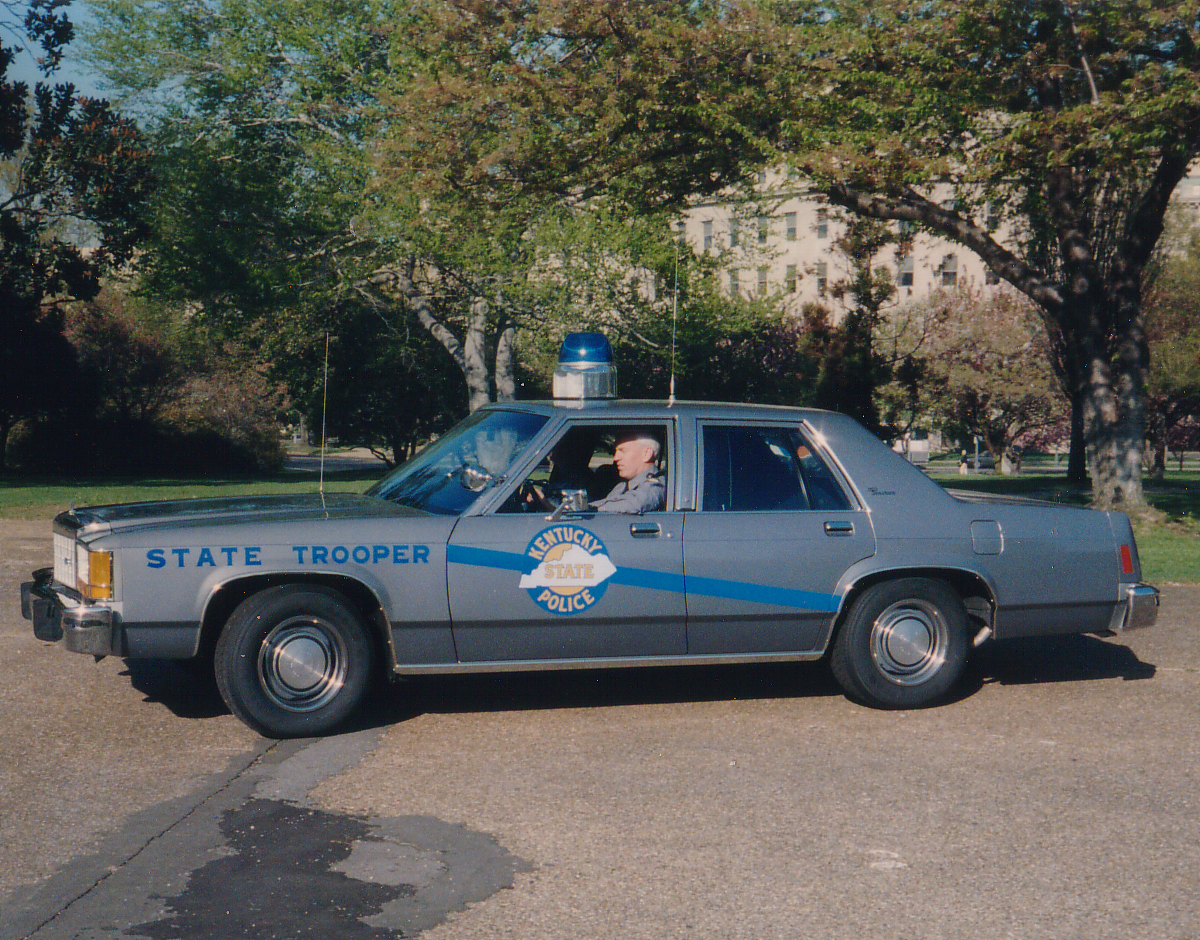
1126 560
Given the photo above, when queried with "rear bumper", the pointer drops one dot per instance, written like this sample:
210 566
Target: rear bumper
59 617
1140 608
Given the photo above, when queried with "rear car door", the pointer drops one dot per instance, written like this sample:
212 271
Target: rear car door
775 530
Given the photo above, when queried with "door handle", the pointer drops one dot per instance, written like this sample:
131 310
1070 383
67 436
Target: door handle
840 527
644 530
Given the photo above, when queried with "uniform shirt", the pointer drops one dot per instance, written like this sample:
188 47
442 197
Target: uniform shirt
646 492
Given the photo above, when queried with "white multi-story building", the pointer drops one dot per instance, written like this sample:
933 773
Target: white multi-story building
782 243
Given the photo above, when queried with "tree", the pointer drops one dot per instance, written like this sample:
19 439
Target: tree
270 117
1173 332
987 366
134 365
1069 123
68 163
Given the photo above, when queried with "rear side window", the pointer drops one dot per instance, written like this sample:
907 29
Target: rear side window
765 469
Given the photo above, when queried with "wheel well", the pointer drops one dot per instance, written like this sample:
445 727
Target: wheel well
228 596
976 595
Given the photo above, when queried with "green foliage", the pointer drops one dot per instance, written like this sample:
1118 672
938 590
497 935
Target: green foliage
155 393
1068 125
388 391
67 163
987 367
1173 332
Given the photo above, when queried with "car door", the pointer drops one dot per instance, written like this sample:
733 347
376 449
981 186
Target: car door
524 586
774 531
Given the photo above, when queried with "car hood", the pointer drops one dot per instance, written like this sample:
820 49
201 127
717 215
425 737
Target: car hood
233 510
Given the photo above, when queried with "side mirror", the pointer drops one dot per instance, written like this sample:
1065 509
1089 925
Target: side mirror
475 478
572 501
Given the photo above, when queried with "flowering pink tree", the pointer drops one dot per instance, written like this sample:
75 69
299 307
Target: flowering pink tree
989 371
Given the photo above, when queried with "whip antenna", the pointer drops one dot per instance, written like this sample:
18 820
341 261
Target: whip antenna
674 318
324 410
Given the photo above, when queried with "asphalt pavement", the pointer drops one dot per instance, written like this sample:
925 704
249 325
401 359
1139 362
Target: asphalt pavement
1055 797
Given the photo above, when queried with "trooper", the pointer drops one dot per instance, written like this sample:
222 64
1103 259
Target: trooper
641 488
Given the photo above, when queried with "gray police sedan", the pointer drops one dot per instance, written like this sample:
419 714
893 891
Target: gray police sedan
779 534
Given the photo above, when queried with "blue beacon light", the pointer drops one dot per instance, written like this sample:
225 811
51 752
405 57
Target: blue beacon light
586 368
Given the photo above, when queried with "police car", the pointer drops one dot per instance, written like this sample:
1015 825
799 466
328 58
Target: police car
763 534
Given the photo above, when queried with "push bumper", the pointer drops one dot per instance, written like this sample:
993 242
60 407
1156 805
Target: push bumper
59 617
1140 608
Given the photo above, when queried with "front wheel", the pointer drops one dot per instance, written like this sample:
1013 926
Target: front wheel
293 661
903 645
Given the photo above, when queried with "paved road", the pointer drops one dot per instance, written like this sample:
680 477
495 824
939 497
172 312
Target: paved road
1056 798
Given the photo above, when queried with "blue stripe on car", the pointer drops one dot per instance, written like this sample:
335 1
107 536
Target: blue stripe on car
660 581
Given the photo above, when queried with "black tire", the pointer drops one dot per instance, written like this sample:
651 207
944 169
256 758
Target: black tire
903 644
294 661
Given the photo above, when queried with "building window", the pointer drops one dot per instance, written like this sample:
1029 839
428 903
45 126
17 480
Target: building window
762 282
790 218
790 280
708 236
905 272
949 271
822 278
822 223
734 233
735 287
764 229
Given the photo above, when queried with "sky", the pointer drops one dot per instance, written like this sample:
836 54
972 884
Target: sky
25 69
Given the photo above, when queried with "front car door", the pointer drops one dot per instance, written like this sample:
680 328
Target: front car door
525 587
775 530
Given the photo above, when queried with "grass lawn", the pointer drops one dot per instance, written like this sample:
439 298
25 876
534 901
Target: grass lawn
1169 547
45 497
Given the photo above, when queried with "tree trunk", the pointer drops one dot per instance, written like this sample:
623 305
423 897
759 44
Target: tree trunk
1156 436
6 427
475 359
506 379
1077 471
469 355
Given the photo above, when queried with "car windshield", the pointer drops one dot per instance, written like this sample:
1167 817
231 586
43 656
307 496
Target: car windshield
448 475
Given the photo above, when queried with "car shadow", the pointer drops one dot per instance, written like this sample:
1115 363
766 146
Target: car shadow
1035 660
593 688
190 692
187 689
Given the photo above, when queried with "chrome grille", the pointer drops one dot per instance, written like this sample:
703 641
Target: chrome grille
64 560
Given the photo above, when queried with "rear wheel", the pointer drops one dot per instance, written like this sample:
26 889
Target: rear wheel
293 661
903 645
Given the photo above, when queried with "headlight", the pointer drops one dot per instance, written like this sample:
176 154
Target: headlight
94 573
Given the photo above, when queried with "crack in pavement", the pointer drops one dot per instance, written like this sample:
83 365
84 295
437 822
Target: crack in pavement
248 853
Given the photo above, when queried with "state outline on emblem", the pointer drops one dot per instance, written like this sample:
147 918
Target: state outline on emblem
572 569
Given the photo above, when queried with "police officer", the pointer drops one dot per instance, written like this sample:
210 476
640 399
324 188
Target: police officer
641 488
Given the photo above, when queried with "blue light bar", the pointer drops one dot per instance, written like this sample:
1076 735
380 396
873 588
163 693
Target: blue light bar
586 368
584 348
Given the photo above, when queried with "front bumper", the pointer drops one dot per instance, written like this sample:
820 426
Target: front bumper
1140 608
60 617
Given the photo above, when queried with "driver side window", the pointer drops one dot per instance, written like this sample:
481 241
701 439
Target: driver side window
583 458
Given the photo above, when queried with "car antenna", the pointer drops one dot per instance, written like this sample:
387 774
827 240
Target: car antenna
674 317
324 410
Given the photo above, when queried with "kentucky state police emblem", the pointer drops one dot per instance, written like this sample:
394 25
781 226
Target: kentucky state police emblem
572 569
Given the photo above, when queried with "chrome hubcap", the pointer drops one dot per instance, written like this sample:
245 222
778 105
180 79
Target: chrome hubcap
302 664
908 642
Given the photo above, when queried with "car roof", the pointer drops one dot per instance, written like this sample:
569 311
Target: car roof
620 408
